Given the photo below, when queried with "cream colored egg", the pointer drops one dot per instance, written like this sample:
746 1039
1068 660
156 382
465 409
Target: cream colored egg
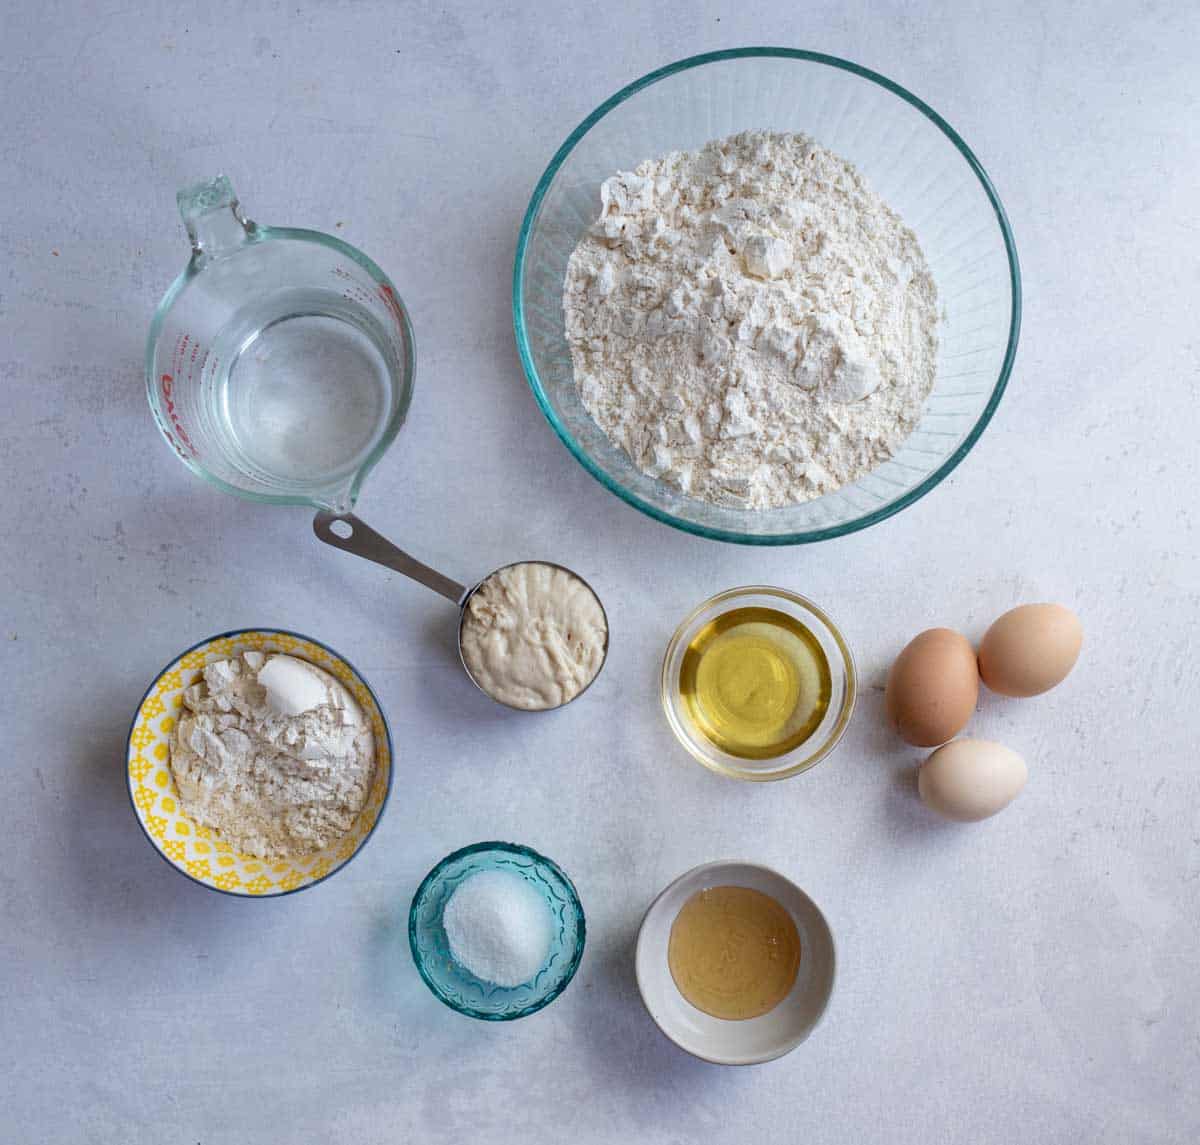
1030 649
971 779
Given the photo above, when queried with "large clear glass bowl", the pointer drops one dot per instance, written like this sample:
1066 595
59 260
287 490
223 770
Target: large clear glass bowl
907 153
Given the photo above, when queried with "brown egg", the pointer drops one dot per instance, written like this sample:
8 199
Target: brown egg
932 687
1030 649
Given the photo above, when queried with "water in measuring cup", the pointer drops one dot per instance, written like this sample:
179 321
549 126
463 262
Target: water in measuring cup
302 390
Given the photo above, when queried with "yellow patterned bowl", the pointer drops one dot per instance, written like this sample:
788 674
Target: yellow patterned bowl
199 852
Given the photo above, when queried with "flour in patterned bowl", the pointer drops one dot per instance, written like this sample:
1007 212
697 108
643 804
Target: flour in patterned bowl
273 753
259 762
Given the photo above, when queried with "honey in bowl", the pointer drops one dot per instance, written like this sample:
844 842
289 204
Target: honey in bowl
734 952
755 682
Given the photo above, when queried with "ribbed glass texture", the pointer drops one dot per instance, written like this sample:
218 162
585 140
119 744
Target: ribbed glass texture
906 152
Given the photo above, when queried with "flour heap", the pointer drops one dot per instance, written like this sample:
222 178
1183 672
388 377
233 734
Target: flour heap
750 322
274 753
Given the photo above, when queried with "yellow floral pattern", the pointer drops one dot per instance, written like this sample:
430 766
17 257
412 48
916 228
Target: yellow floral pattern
190 846
153 706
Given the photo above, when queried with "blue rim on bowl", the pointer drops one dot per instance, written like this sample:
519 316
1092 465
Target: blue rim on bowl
192 850
455 986
934 477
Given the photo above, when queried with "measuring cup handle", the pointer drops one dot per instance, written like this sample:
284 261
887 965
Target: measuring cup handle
214 220
361 540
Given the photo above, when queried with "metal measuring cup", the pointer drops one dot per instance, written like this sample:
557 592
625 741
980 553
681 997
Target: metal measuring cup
346 532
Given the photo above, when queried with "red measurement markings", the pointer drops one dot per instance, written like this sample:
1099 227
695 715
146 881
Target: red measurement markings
362 293
166 382
393 304
366 295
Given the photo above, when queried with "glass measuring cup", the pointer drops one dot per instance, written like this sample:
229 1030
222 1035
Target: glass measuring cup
280 363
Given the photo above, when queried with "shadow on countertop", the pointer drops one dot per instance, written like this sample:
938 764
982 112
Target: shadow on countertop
907 820
120 890
632 1055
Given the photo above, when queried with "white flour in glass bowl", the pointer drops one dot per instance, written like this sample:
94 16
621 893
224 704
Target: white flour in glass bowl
750 322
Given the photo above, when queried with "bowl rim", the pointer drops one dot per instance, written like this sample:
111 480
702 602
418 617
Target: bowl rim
807 536
511 849
698 872
233 633
668 687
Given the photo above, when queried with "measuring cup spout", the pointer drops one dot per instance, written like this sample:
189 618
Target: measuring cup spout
338 501
214 220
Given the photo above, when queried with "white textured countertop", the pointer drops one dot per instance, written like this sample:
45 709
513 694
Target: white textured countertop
1031 979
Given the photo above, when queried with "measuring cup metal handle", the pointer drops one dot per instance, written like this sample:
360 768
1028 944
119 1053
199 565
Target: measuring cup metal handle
364 542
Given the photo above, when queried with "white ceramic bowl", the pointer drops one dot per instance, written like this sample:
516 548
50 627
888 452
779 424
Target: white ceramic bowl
718 1040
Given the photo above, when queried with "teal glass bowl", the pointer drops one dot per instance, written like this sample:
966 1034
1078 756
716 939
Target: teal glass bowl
908 154
457 987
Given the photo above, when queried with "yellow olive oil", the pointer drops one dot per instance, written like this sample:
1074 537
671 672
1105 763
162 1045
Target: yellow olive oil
755 682
733 952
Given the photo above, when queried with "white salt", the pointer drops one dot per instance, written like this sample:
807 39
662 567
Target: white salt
499 928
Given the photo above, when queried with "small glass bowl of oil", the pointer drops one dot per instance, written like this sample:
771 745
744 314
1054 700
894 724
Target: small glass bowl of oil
758 683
